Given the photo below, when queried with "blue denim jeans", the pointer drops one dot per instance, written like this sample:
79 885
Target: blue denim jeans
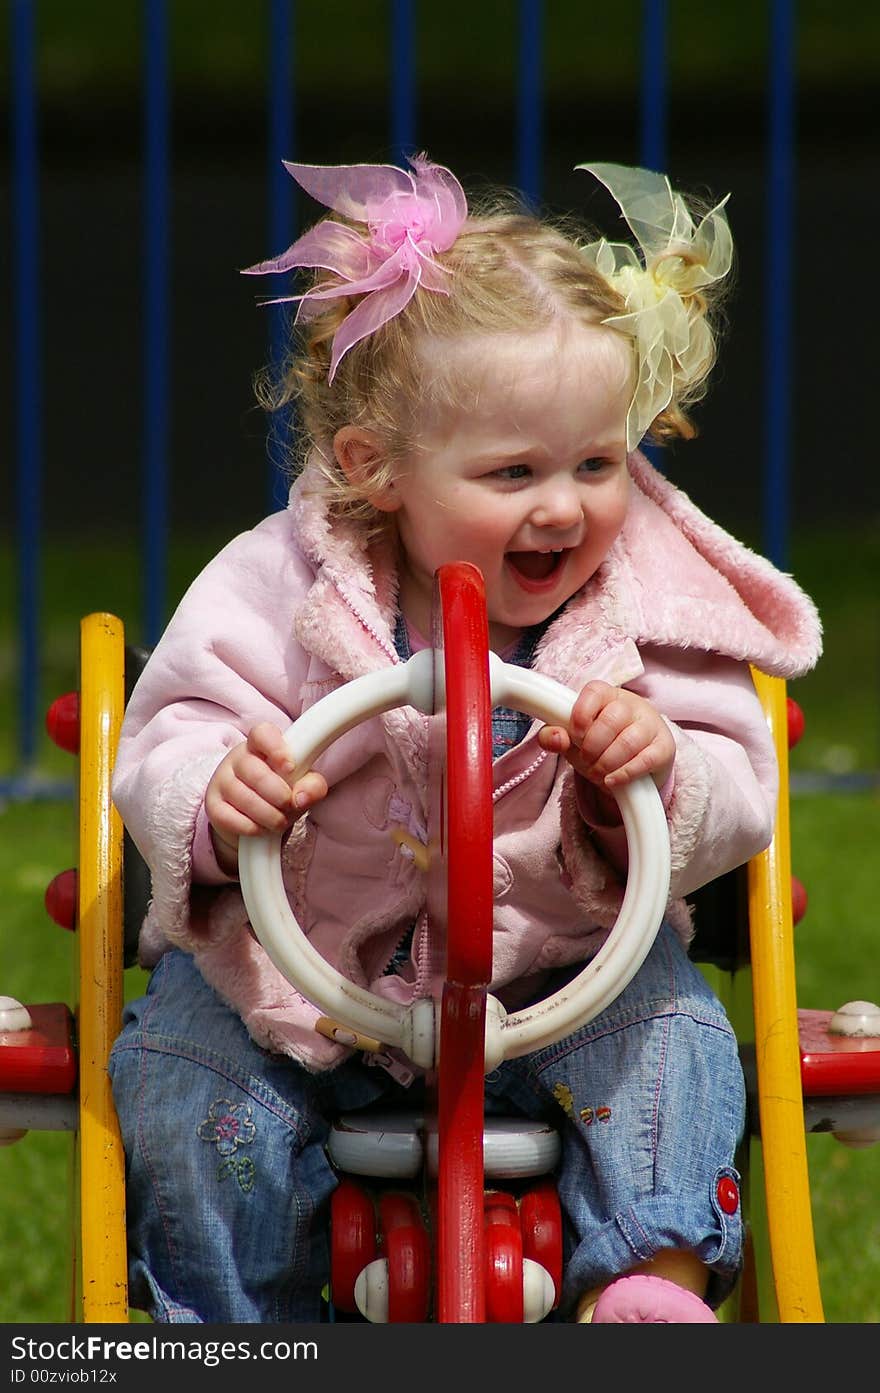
228 1180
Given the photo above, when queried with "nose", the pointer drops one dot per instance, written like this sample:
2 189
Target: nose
558 504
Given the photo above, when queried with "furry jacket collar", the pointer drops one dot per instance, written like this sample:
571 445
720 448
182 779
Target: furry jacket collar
672 578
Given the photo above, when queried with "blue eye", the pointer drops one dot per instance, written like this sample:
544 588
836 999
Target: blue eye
592 466
514 472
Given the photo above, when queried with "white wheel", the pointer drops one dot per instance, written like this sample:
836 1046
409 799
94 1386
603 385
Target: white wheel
359 1018
644 901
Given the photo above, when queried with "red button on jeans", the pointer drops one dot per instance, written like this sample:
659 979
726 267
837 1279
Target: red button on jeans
728 1195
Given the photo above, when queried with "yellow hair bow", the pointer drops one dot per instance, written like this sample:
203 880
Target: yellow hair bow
679 258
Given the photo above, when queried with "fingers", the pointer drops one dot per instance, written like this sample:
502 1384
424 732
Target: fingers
628 764
308 790
246 798
593 700
556 739
250 792
267 742
616 737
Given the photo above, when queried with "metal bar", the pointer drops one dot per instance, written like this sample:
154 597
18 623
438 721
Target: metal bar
100 953
653 117
778 298
653 104
38 1112
403 79
529 111
27 788
26 312
281 216
156 341
777 1050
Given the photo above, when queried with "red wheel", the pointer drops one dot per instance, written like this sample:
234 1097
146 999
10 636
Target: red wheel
407 1251
540 1219
504 1260
352 1241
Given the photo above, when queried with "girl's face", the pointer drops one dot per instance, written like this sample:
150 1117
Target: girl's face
527 480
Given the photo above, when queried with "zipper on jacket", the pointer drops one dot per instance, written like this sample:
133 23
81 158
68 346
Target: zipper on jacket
423 957
499 792
420 953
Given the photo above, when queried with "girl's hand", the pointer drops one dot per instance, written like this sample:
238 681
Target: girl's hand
613 738
250 793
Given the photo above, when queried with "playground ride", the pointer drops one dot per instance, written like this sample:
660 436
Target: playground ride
467 1033
486 1253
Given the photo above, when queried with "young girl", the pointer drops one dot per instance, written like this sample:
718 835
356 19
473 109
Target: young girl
472 386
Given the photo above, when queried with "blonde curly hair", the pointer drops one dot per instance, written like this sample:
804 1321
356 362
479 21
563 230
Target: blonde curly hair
510 273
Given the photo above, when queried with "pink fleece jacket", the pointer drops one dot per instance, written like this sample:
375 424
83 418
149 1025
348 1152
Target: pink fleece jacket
288 611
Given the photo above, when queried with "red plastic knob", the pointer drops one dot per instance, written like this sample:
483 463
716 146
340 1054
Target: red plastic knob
798 900
62 722
796 722
61 899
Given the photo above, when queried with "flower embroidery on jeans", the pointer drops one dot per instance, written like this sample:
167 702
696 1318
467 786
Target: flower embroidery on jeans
563 1096
228 1126
244 1170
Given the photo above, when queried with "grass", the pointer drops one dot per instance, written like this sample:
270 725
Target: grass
36 841
834 841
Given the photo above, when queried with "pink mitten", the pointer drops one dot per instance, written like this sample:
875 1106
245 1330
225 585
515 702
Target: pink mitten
643 1299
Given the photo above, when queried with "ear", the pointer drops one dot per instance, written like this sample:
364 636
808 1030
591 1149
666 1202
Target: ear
359 455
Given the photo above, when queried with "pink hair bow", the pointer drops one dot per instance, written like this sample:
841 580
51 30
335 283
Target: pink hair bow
407 218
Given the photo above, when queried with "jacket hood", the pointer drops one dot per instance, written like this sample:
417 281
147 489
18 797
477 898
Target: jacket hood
682 580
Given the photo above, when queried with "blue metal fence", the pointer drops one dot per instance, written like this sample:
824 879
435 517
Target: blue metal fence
778 297
28 374
156 320
281 143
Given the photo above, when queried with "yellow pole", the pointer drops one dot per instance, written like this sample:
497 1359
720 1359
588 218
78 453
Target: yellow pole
780 1098
99 935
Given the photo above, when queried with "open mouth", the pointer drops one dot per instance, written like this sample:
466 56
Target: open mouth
536 568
